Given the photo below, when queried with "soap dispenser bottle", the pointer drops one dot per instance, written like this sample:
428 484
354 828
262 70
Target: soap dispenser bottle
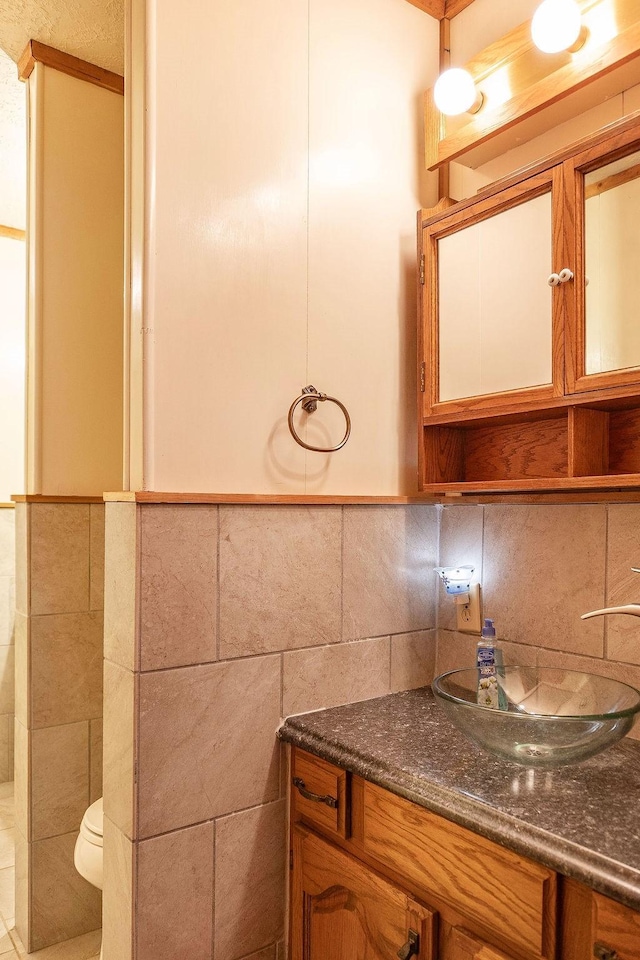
489 661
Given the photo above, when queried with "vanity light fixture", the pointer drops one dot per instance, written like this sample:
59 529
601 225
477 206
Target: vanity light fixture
557 25
455 92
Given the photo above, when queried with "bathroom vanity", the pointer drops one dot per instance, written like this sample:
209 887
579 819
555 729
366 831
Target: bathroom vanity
406 841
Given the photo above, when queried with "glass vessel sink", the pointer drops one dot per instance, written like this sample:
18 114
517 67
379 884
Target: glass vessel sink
552 717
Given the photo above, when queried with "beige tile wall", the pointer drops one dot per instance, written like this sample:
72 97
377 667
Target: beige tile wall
219 621
541 567
7 641
59 663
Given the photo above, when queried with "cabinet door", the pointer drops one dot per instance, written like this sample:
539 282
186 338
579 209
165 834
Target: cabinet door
616 930
492 327
463 945
341 910
594 926
603 188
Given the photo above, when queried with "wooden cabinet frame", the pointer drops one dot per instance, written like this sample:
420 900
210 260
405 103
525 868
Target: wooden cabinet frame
534 186
580 433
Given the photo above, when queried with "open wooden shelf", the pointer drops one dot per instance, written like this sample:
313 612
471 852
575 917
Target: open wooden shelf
574 447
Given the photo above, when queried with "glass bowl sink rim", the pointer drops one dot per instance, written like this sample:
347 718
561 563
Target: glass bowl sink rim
459 701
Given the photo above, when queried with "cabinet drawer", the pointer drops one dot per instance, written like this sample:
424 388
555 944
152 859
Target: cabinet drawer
319 793
500 890
615 928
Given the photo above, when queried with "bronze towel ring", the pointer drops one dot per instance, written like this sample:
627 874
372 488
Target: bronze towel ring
309 399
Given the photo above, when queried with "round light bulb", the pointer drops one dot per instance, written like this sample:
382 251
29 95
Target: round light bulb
455 92
556 25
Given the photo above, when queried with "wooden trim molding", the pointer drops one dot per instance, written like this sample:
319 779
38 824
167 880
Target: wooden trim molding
12 233
36 52
42 498
149 496
609 183
624 128
446 497
453 7
442 8
434 8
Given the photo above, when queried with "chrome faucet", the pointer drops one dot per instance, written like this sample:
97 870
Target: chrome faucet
631 609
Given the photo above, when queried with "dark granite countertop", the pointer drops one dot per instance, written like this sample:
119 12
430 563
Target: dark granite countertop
581 820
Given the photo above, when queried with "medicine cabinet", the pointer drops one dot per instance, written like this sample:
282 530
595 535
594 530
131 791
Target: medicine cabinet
529 332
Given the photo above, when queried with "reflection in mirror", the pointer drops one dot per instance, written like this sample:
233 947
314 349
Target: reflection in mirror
494 303
612 266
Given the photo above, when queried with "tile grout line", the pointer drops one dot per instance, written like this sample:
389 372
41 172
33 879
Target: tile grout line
283 651
201 823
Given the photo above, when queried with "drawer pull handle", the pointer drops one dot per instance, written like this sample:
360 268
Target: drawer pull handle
602 952
308 795
411 948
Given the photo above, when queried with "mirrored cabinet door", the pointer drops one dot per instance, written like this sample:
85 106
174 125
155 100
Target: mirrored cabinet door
491 324
607 319
612 266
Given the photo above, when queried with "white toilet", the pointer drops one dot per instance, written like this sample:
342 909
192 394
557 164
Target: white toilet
87 855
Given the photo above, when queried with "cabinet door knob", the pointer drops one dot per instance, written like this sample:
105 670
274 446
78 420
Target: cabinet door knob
330 801
555 279
411 948
603 952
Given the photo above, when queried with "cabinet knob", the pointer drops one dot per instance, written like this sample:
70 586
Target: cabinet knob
555 279
411 948
603 952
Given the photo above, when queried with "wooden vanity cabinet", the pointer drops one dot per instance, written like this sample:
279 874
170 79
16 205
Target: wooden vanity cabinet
357 894
397 881
342 910
561 411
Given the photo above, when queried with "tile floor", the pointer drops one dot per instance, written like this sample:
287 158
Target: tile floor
86 947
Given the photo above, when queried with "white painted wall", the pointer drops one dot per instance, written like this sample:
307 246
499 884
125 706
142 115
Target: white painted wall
12 366
76 231
284 171
13 146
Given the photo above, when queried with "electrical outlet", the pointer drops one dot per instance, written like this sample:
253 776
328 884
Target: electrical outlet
469 615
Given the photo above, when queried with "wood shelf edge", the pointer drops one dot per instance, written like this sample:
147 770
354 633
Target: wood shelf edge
150 497
620 482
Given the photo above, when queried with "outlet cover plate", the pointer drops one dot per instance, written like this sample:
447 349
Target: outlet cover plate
469 615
